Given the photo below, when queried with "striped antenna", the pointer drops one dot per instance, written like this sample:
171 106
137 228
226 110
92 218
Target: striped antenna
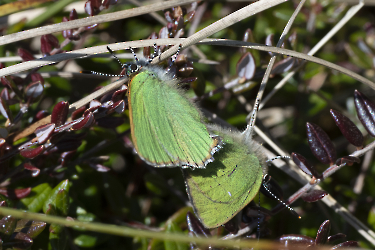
274 196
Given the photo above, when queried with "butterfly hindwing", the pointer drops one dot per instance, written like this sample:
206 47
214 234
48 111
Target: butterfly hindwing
228 184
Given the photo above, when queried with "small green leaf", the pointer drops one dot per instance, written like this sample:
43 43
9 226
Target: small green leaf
90 240
58 198
371 217
57 237
35 200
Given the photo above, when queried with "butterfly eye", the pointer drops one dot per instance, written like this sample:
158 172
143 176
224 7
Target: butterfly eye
133 68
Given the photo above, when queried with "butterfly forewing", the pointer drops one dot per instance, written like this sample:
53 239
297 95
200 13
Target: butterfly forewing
167 129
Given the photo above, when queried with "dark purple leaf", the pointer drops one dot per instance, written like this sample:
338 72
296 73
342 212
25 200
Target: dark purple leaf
10 83
60 113
195 226
348 160
247 35
320 144
15 193
189 16
365 111
64 157
51 39
73 15
246 66
296 239
7 226
78 112
335 237
37 77
106 97
314 195
94 103
5 94
34 90
68 34
189 80
185 70
119 94
41 114
34 170
346 244
87 121
25 55
181 60
46 45
323 233
67 125
168 16
96 3
305 166
163 33
118 107
283 66
29 227
4 109
347 128
93 110
19 241
89 9
172 70
269 41
32 152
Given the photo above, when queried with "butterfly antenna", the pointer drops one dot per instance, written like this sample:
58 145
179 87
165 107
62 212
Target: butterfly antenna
174 57
278 157
113 54
98 73
155 54
274 196
250 127
135 56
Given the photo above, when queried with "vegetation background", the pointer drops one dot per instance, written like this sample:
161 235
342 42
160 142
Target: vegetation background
104 181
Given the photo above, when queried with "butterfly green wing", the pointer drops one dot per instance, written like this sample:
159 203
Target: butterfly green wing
227 185
166 128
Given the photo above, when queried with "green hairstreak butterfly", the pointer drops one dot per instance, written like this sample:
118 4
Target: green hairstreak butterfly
229 183
166 128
